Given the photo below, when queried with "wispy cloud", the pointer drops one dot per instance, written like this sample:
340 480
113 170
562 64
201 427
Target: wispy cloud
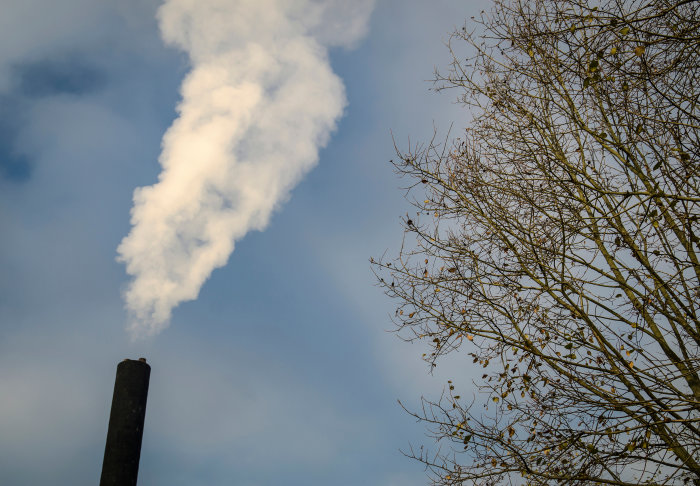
258 103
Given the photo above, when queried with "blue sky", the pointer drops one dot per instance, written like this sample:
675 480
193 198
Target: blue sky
282 371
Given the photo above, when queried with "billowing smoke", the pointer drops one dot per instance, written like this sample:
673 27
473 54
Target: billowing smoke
258 103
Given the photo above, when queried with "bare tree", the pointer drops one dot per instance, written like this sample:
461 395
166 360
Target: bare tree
556 247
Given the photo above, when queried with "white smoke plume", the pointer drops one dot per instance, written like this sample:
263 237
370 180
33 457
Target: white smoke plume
258 103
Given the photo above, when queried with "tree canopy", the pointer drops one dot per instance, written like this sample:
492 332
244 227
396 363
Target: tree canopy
555 246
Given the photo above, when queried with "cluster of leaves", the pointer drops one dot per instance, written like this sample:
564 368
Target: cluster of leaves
557 241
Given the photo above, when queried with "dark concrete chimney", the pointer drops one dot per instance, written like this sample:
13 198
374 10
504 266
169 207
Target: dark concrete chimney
120 466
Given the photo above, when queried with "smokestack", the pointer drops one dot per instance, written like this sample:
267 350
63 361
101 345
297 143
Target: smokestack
120 466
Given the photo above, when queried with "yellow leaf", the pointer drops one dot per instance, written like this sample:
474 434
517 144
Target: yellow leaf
613 50
639 51
470 337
